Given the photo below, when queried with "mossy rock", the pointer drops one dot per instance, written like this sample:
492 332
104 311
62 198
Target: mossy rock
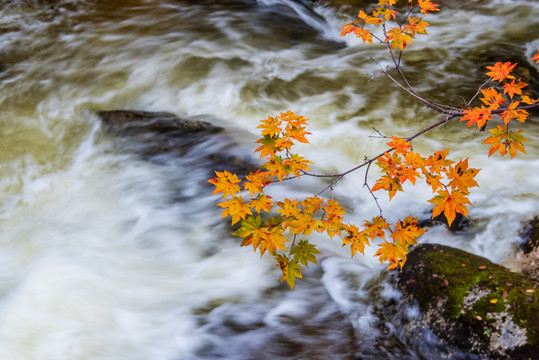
473 304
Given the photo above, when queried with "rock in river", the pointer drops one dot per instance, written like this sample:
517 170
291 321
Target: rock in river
472 304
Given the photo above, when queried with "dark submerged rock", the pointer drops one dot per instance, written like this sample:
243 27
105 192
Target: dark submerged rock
530 248
162 137
471 304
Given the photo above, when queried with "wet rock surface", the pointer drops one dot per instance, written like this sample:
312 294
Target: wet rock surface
162 137
471 304
530 248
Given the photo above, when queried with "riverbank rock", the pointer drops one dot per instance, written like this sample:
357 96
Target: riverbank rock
471 304
162 136
530 248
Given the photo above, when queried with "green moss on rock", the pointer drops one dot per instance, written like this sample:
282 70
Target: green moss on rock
472 303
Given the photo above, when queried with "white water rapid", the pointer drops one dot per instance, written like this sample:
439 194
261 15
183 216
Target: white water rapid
107 256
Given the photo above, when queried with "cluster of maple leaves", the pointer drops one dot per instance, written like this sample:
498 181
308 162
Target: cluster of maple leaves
281 228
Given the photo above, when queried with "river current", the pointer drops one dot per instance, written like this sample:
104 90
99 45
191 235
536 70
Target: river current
107 256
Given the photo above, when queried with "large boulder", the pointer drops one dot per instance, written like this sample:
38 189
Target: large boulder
163 137
471 304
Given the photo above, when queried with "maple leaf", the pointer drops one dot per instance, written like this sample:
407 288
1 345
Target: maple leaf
392 253
236 208
304 252
416 25
433 180
295 127
388 183
413 159
406 231
382 3
477 116
364 35
450 204
437 162
333 210
288 208
273 240
261 202
513 88
398 39
389 163
427 5
386 13
355 238
347 29
461 177
270 126
226 183
376 228
256 182
290 269
526 100
268 147
501 71
492 98
513 113
401 146
275 167
504 140
252 230
295 164
371 20
312 204
333 226
536 57
301 224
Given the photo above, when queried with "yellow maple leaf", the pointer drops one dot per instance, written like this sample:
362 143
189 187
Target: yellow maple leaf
225 183
236 208
392 253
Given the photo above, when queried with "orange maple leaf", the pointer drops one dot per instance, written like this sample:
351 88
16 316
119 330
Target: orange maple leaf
392 253
273 240
355 238
427 5
270 126
398 39
389 183
406 231
461 177
376 228
261 202
289 208
536 57
492 98
401 146
312 204
513 88
501 71
513 113
226 183
477 116
450 204
236 208
416 25
504 140
437 163
256 182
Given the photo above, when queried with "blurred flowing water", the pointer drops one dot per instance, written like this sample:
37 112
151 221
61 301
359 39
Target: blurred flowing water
105 255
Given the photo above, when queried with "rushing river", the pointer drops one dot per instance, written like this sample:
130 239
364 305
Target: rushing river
107 256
